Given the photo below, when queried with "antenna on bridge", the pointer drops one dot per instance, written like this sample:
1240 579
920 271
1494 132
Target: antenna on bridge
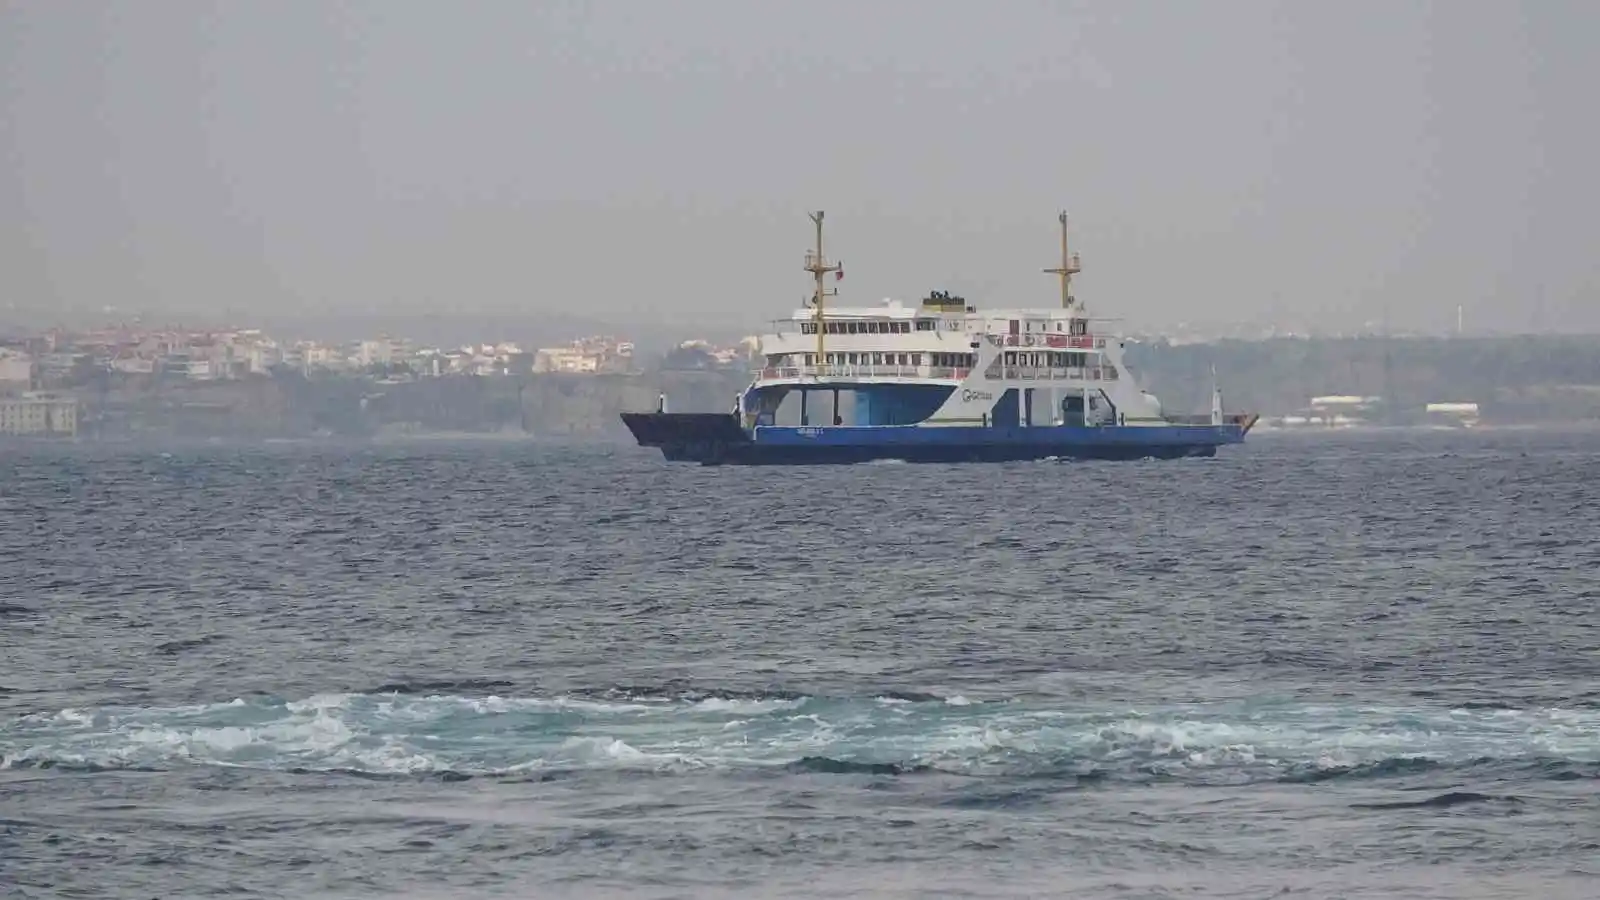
1069 267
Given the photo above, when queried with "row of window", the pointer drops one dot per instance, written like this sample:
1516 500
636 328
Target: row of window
901 326
1038 359
1046 359
891 327
1077 326
940 360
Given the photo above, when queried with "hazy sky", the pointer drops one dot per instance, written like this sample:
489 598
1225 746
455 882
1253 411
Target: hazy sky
1328 163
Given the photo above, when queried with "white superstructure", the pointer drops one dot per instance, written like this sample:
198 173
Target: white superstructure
1060 365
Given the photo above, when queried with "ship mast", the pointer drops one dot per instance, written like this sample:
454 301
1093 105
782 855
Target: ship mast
817 265
1069 267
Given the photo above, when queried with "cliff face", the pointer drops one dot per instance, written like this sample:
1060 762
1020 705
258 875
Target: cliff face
568 405
293 406
249 408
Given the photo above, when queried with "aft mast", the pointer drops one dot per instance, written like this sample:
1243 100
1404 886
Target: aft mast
1069 267
817 265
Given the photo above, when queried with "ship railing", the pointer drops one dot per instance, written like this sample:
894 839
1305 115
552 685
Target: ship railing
942 373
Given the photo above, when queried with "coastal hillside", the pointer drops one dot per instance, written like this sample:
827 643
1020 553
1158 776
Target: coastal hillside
1513 380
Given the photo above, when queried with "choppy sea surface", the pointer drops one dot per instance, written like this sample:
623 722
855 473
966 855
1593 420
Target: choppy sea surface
1331 666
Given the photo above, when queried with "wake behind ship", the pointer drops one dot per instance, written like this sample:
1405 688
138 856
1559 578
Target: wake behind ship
941 381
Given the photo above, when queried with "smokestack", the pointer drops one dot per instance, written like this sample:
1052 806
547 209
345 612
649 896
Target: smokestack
1458 320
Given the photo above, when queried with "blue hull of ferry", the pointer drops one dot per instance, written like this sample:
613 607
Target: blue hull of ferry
717 439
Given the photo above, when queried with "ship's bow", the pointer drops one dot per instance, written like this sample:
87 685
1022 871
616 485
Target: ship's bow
691 437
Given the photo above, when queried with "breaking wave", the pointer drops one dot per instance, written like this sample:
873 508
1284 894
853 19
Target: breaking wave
414 733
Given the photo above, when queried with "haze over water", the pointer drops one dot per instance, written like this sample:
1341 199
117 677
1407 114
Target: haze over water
332 170
1357 666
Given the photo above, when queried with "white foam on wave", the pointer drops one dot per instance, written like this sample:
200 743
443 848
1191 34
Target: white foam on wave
494 705
745 707
400 734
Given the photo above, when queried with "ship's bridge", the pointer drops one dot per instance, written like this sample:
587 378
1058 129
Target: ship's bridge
889 341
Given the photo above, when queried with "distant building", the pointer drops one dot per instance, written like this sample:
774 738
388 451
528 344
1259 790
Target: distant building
1344 410
16 370
1334 411
563 359
261 358
58 367
384 351
1461 415
320 356
697 354
586 356
38 414
132 365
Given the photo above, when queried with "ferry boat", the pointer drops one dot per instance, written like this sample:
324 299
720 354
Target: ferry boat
941 381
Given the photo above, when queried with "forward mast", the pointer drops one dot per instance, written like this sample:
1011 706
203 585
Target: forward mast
1069 267
817 265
